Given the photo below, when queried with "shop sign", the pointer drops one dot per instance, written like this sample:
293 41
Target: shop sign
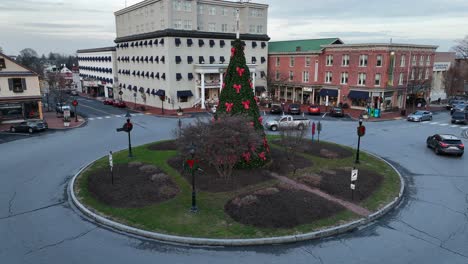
307 89
90 84
10 106
441 66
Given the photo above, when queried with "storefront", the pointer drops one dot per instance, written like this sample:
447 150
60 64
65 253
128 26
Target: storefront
359 99
329 97
19 110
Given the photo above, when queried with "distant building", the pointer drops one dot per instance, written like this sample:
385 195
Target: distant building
442 63
97 68
177 51
20 95
329 72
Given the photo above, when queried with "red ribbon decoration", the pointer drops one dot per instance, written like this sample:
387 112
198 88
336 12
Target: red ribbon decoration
233 51
262 156
237 87
228 106
191 163
246 104
240 71
246 156
260 119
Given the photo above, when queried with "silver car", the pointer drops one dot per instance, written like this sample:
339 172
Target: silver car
419 116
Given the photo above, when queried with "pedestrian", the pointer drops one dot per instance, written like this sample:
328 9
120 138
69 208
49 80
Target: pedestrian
438 100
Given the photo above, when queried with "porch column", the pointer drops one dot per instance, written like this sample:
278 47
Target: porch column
313 96
220 82
339 97
253 81
294 94
203 90
39 106
302 95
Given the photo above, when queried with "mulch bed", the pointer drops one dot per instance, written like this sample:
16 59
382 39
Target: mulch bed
164 145
337 183
210 181
277 207
322 150
135 185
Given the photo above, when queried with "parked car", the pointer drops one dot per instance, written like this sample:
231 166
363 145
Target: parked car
108 101
313 110
60 108
460 117
458 107
119 104
294 109
276 109
29 126
287 122
446 144
74 92
337 112
419 116
452 102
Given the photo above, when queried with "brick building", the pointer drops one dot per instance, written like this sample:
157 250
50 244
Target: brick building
329 72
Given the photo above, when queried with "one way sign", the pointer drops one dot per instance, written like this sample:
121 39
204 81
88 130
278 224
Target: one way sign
354 175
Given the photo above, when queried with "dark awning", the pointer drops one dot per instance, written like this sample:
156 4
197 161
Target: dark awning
135 88
150 42
161 92
157 75
178 59
201 42
155 42
358 95
148 91
221 59
189 59
161 42
186 93
141 90
189 42
177 41
263 60
190 76
222 43
260 89
212 59
201 60
254 44
163 76
156 59
162 59
329 92
153 92
178 76
263 44
212 43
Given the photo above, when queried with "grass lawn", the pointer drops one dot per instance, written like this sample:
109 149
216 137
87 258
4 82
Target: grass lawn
173 216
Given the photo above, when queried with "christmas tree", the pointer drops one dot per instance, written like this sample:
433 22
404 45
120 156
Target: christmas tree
237 98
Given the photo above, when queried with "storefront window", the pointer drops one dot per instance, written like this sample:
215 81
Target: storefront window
359 102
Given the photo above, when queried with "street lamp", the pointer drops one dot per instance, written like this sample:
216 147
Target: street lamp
129 128
360 131
194 208
135 96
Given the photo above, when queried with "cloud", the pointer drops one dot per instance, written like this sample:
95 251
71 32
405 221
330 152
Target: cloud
42 25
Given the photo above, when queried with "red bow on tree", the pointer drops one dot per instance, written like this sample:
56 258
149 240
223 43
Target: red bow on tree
233 51
250 83
260 119
252 124
228 106
191 163
246 104
246 156
240 71
224 85
256 99
237 87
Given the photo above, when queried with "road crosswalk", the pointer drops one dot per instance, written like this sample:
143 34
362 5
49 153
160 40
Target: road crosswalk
112 116
444 124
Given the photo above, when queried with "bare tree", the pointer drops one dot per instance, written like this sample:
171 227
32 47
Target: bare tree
274 79
57 85
1 50
461 48
453 81
222 143
292 140
419 81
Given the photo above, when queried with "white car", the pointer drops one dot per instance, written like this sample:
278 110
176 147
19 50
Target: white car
419 116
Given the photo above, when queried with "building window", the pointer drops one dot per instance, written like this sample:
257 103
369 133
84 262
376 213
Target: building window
201 9
426 74
329 60
277 61
362 79
224 28
177 5
420 73
328 77
277 75
305 77
224 11
187 6
379 61
17 85
413 62
291 76
403 60
344 78
211 27
291 62
400 80
421 60
252 29
163 23
412 74
428 60
188 24
363 60
212 11
345 60
183 99
307 61
377 79
259 29
178 23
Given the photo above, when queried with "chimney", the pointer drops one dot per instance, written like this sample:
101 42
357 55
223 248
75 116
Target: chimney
298 48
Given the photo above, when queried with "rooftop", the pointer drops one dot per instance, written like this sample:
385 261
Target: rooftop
306 45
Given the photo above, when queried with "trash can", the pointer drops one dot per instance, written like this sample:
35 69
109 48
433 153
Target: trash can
269 105
372 112
377 113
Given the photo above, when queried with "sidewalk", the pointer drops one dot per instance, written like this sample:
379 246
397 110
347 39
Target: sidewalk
53 122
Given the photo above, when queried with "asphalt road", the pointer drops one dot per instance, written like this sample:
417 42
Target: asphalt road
38 224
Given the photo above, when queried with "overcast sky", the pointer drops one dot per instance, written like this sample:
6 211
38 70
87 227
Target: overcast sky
67 25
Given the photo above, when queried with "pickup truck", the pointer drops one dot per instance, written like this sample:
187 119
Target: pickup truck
287 122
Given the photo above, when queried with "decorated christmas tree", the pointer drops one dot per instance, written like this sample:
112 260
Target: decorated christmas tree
237 98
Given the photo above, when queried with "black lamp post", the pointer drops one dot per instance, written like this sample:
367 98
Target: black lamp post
134 96
359 141
129 127
194 208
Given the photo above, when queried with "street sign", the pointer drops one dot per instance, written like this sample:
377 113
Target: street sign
319 127
66 113
353 186
354 175
75 103
361 131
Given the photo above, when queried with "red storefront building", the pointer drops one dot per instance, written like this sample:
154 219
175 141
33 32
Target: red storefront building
329 72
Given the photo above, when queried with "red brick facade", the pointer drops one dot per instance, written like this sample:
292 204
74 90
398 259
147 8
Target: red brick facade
366 61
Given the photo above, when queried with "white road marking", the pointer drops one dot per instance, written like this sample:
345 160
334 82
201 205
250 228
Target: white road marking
454 126
465 127
425 122
434 123
118 115
91 118
107 117
99 118
443 124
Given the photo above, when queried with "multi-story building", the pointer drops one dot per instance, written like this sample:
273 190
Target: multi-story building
177 51
328 72
20 95
98 71
442 63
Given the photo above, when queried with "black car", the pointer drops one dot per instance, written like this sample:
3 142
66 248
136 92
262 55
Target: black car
336 112
444 143
459 117
29 126
294 109
276 109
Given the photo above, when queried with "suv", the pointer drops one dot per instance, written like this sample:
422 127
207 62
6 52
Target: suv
459 117
444 143
29 126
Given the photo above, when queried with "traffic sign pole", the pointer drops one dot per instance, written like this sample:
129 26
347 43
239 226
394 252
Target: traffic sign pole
111 166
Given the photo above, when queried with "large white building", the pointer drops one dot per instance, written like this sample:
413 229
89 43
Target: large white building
98 71
442 63
177 50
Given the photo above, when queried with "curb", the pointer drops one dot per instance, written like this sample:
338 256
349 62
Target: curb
336 230
68 128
